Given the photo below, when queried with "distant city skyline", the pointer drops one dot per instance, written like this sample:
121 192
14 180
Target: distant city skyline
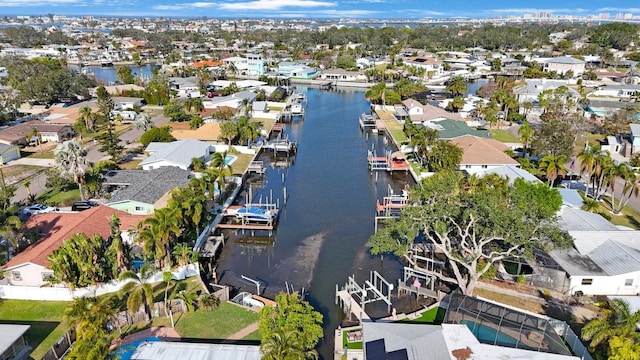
383 9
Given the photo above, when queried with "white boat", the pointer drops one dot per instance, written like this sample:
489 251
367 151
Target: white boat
253 213
366 120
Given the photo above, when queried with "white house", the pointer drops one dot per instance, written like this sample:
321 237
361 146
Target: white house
342 75
177 153
431 65
602 262
563 64
126 103
635 136
626 91
31 267
532 88
481 154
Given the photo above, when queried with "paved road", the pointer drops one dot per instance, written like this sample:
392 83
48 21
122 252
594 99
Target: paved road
134 134
36 187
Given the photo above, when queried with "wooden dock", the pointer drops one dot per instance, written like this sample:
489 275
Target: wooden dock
256 167
245 226
350 305
391 162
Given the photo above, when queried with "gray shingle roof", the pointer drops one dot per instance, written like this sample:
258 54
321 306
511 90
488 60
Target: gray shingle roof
146 186
572 219
565 60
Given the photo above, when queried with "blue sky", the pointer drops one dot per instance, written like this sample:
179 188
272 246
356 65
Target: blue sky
413 9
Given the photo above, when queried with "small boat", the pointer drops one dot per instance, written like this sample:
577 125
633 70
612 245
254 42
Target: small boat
253 213
367 120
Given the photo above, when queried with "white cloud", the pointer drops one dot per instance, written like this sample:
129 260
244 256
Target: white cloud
273 5
622 10
18 3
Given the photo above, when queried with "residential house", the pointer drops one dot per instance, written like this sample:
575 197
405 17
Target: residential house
431 65
626 91
635 137
342 75
511 173
117 90
604 260
141 192
8 153
451 129
604 107
255 65
127 103
237 63
406 341
31 267
233 101
296 70
418 113
166 350
480 154
17 134
532 88
178 153
13 345
564 64
183 86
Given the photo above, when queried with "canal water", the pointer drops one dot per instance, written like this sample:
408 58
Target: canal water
107 74
329 213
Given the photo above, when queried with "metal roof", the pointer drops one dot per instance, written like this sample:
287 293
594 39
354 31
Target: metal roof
571 197
512 173
190 351
601 253
179 152
9 333
573 219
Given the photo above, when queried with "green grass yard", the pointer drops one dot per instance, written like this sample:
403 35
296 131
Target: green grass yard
432 316
225 320
45 318
504 136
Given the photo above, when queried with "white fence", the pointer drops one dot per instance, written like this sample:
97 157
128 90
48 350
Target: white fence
66 294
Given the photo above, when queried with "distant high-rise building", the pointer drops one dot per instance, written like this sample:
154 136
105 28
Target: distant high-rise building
603 16
619 16
628 16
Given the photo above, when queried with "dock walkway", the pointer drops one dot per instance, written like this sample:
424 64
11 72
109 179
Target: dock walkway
348 302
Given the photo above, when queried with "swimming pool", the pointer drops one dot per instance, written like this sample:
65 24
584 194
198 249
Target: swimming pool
125 352
488 335
230 159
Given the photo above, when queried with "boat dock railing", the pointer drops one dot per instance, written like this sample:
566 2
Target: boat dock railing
256 167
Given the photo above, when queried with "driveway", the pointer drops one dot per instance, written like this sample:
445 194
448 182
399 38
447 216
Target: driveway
133 135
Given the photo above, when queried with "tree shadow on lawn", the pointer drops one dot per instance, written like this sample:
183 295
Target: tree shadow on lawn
38 331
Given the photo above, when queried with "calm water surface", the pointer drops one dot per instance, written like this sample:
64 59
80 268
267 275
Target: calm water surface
329 212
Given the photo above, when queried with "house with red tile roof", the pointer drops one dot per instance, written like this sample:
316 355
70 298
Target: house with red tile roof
31 268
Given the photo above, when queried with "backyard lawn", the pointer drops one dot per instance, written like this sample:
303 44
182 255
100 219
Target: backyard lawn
504 136
59 198
431 316
225 320
45 318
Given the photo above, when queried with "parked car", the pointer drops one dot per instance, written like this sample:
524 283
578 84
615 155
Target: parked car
38 209
82 205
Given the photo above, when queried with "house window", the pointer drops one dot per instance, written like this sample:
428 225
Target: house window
587 281
485 166
628 282
467 166
138 208
16 275
47 276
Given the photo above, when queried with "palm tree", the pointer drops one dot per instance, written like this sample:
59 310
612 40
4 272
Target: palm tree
456 86
167 277
88 117
616 320
27 186
183 253
602 173
189 299
526 135
587 159
138 291
71 160
118 246
285 345
89 315
9 229
219 162
623 172
228 130
553 166
209 302
165 224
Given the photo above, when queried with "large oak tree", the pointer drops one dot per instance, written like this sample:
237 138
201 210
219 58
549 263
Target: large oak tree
475 223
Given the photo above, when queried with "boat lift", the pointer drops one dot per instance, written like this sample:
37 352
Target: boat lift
353 297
